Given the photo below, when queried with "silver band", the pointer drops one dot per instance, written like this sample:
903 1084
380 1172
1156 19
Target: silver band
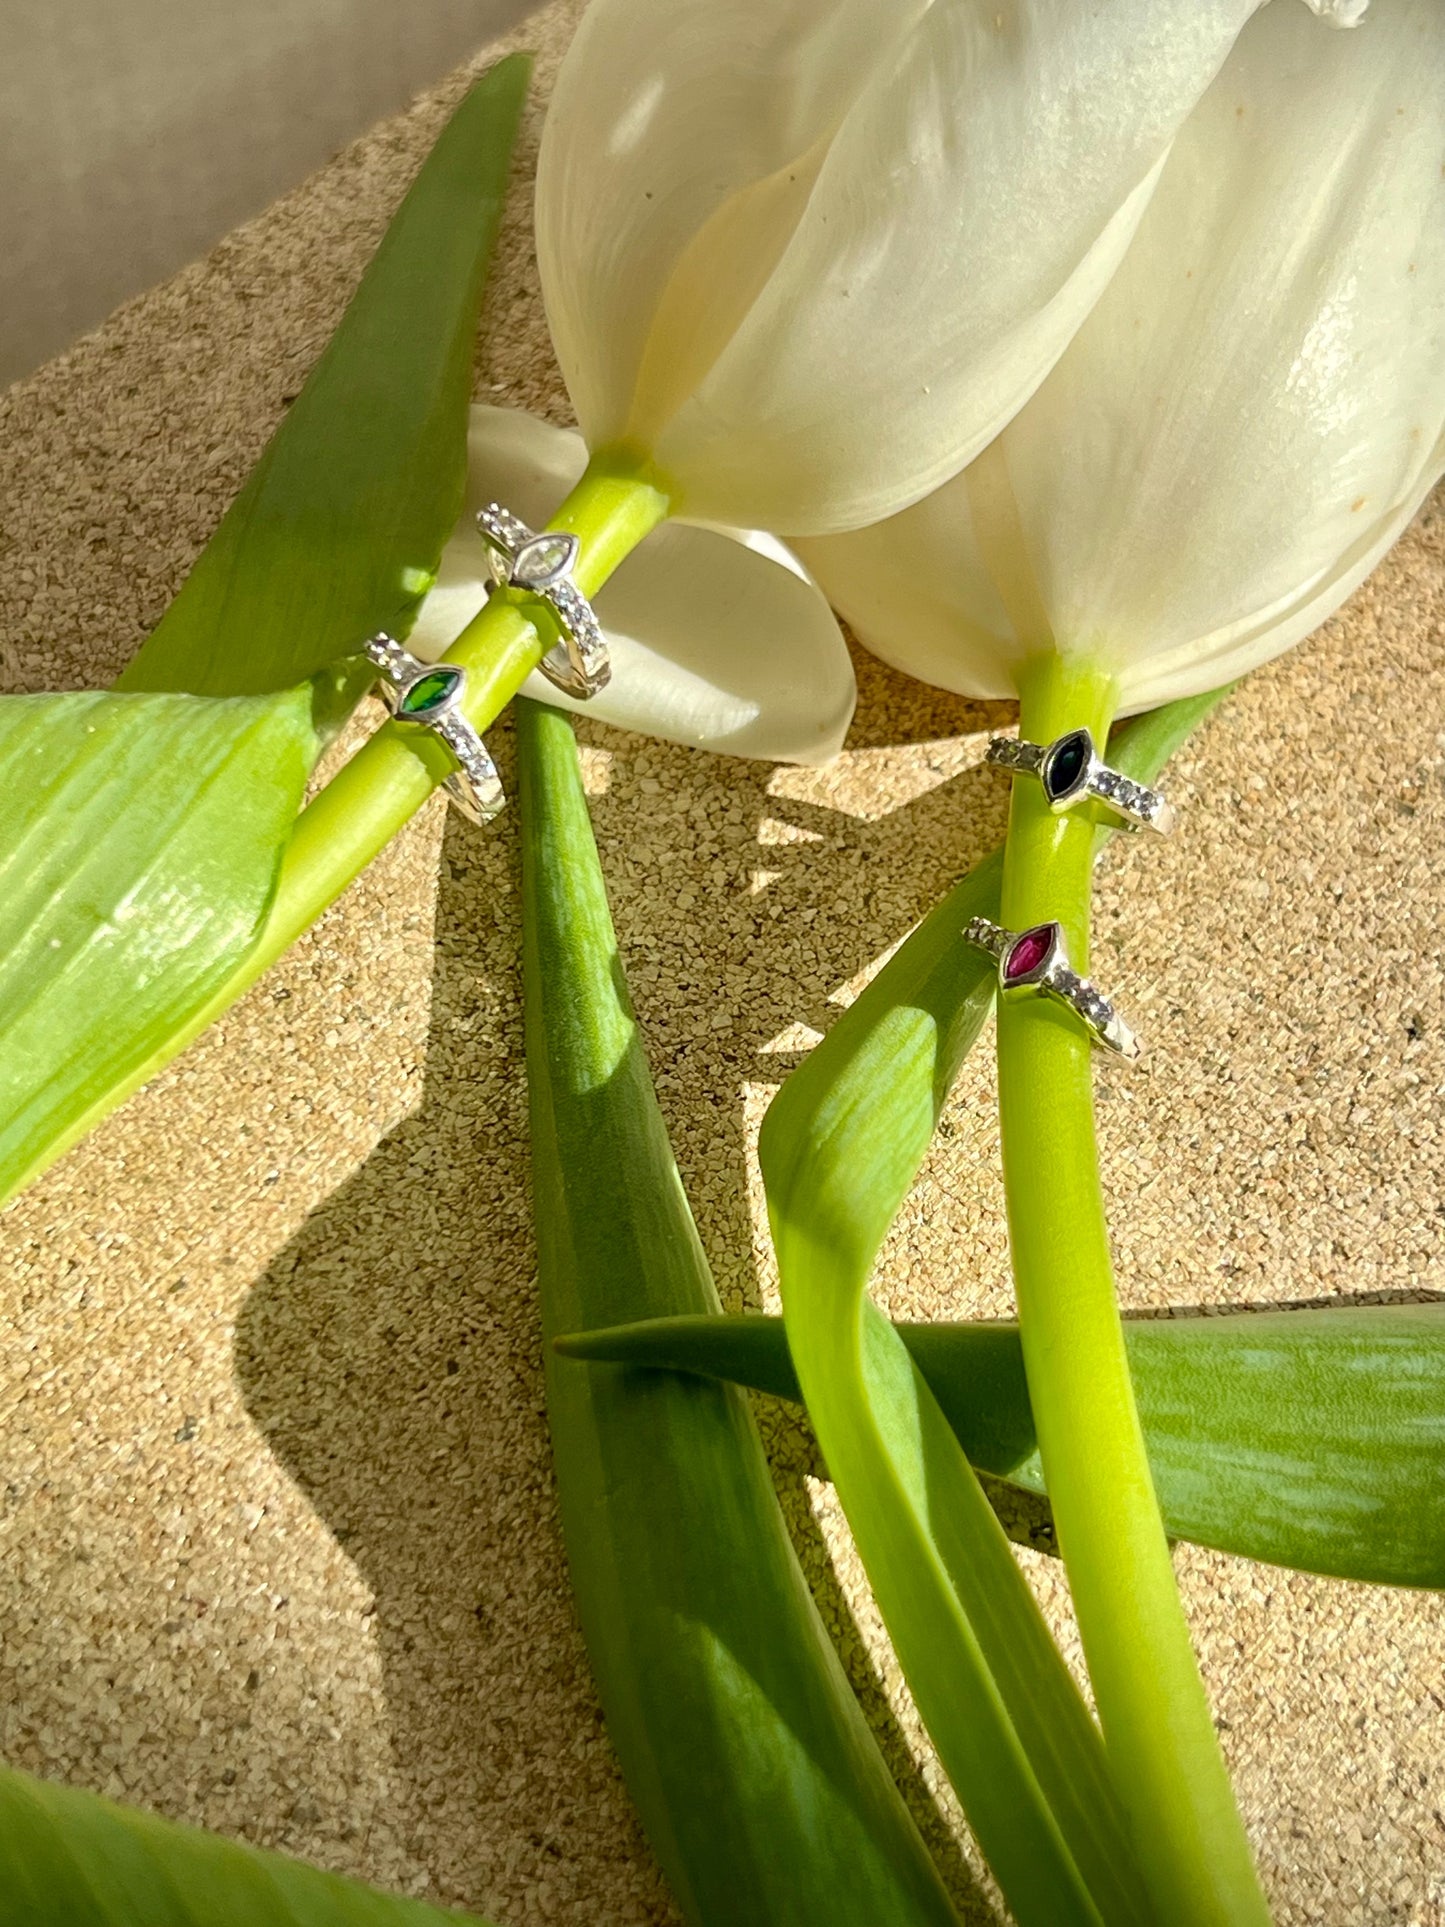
429 693
1036 961
1071 772
519 558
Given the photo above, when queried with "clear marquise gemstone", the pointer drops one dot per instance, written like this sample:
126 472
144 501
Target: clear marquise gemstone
540 562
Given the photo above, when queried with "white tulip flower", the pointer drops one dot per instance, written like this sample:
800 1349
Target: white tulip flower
810 256
1249 417
718 639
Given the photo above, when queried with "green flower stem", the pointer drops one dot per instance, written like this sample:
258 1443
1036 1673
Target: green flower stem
617 503
1157 1726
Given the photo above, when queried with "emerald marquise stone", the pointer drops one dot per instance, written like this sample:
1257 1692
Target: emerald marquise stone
429 693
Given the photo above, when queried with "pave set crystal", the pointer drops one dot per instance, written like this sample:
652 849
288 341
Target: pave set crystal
1131 799
541 565
1036 961
430 694
1071 773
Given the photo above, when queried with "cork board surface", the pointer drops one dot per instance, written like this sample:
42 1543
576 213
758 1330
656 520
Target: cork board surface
278 1545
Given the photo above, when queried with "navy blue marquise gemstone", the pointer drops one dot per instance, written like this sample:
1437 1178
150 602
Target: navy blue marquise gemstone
1067 762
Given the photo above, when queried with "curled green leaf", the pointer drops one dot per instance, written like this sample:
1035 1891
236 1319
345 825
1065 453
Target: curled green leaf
840 1146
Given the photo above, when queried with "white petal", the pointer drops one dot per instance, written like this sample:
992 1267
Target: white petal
1208 661
1263 387
917 591
664 114
1340 13
1249 416
717 639
973 202
814 253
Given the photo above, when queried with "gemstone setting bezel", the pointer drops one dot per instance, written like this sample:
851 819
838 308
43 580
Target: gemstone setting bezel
540 563
451 679
1051 956
474 786
1052 975
1064 796
532 570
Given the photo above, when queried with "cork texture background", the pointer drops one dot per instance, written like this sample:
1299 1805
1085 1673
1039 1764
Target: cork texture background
278 1542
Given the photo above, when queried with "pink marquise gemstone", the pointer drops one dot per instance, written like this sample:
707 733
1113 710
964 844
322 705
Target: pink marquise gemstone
1027 952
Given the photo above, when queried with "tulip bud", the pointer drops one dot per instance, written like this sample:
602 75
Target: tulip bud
1249 417
811 255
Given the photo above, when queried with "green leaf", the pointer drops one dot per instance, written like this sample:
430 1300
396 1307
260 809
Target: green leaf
1009 1723
758 1782
840 1146
143 847
1312 1439
339 529
72 1859
138 853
